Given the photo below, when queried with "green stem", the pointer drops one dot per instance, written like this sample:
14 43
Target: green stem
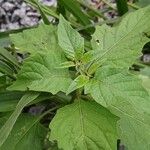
133 5
79 93
48 111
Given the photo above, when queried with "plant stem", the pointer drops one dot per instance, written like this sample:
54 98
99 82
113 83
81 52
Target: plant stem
133 5
48 111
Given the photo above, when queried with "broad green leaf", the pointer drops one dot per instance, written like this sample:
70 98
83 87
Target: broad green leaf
41 73
40 39
109 84
121 45
145 81
143 3
79 82
145 71
84 125
9 100
135 135
133 127
26 134
7 127
70 40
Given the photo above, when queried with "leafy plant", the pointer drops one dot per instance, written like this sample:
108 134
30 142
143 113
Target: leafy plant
98 97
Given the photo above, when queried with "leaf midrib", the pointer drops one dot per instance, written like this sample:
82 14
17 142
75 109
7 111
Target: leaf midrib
111 48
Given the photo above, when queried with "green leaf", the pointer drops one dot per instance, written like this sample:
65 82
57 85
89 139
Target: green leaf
26 134
122 6
47 10
133 126
121 45
87 57
73 7
110 84
44 17
79 82
7 127
2 81
67 64
6 69
146 82
143 3
40 39
84 125
41 73
145 71
134 134
70 40
4 53
9 100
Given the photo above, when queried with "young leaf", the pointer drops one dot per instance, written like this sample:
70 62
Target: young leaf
79 82
121 45
7 127
67 64
110 84
84 125
41 73
40 39
26 132
70 40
